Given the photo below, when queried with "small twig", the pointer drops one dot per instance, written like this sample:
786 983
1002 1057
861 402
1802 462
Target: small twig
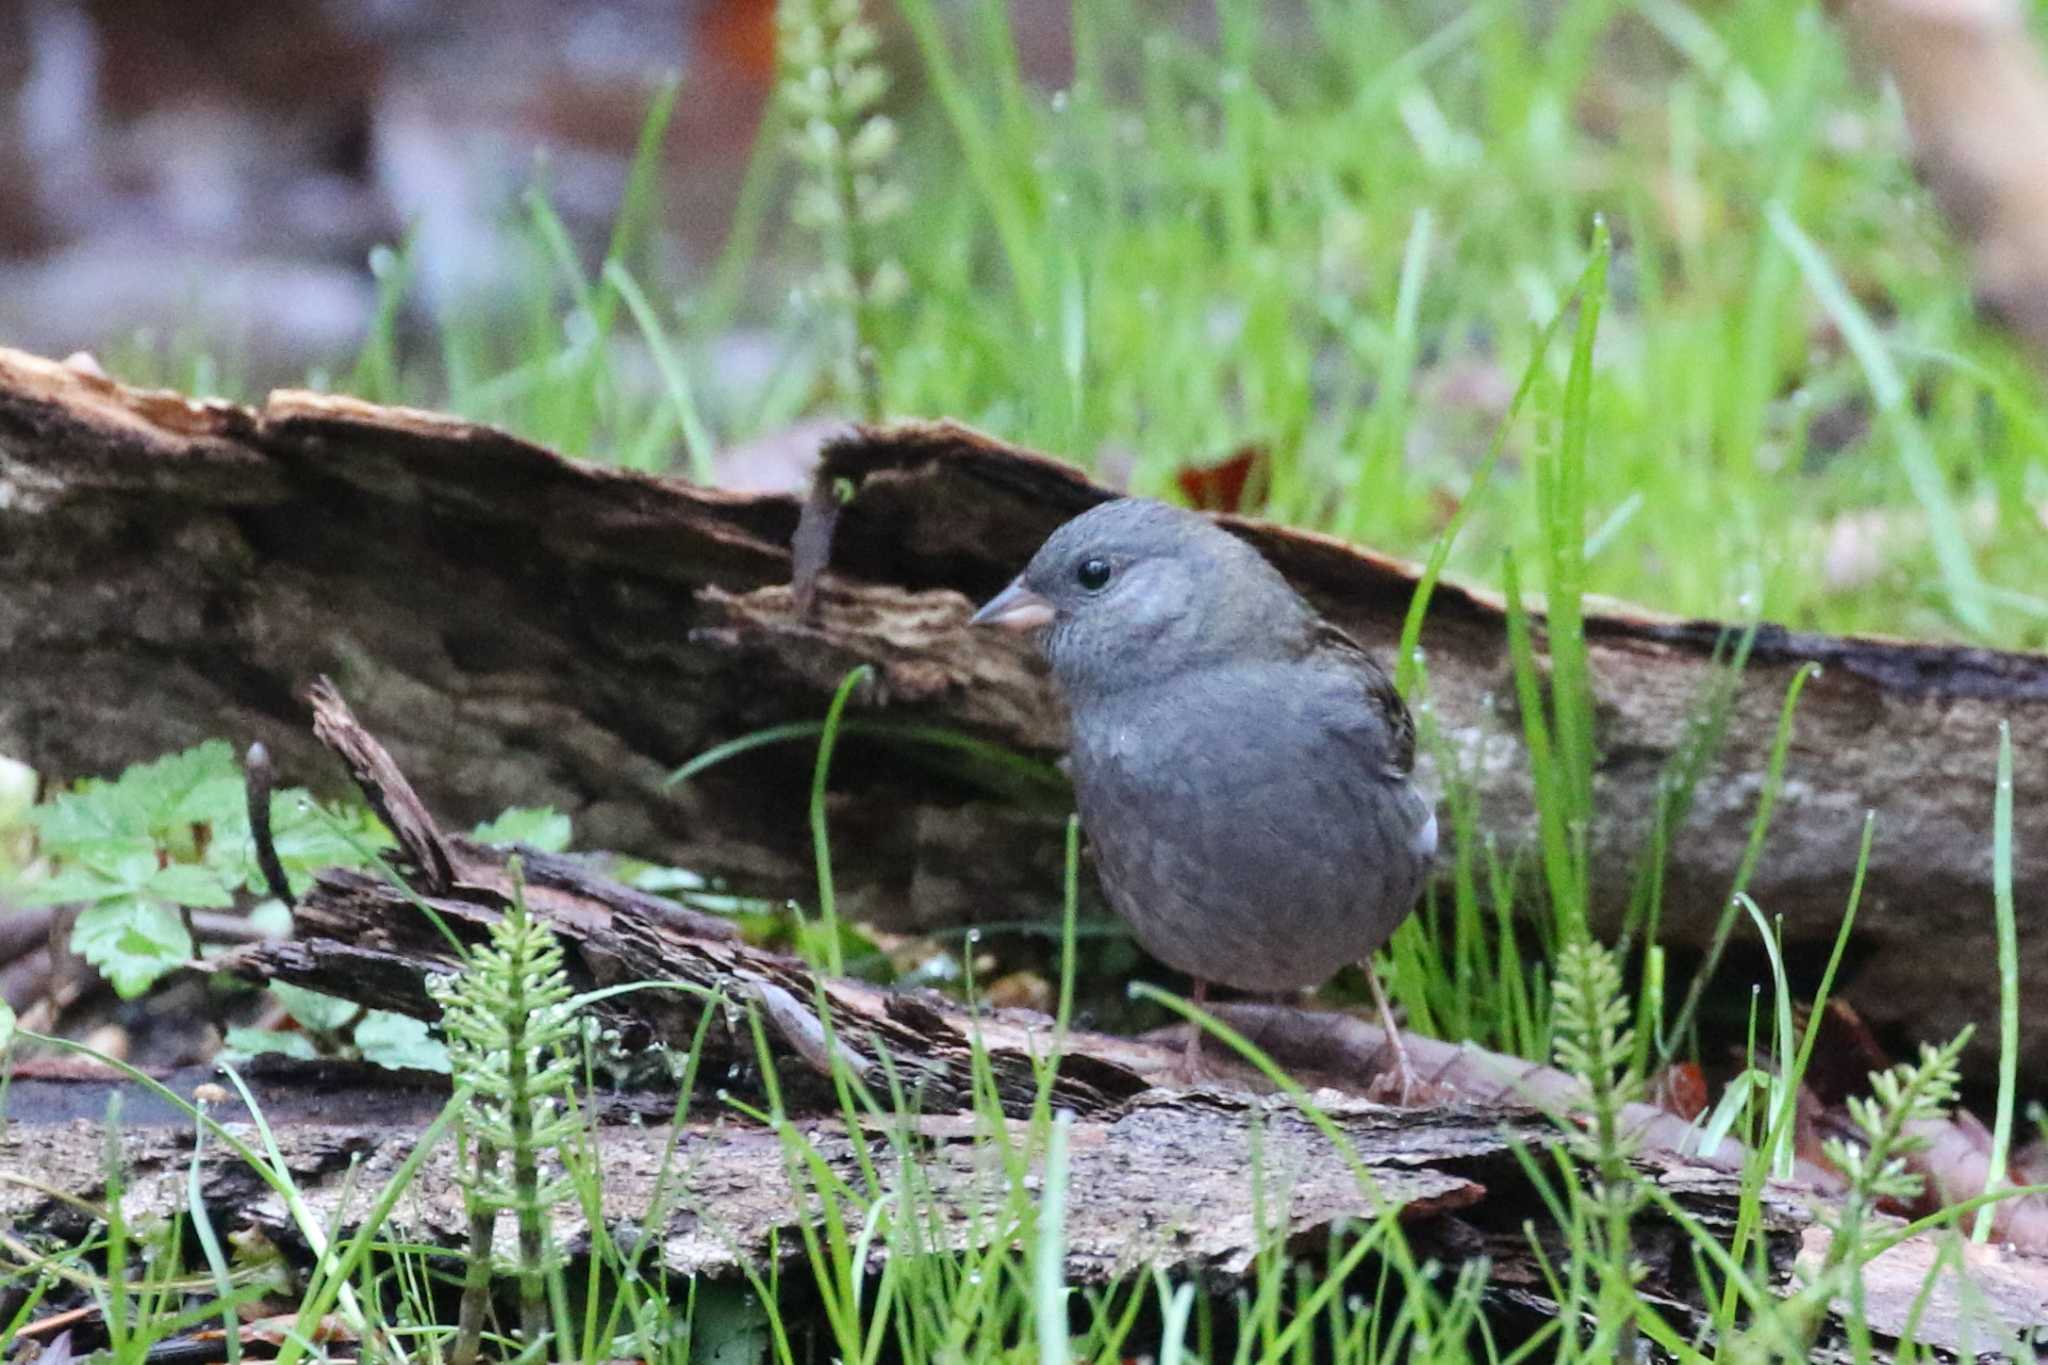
800 1027
259 781
811 547
384 786
214 926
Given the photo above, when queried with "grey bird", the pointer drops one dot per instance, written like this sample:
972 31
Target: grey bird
1243 767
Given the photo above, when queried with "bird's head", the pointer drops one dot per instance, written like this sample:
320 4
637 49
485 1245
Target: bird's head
1134 592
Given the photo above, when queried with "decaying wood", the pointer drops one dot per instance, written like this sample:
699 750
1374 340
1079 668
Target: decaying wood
1162 1180
1166 1180
1193 1183
1344 1044
1975 91
524 629
366 938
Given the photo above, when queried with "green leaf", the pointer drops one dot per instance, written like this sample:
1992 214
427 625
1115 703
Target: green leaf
242 1043
540 827
86 818
308 837
75 883
190 884
729 1325
132 940
314 1010
399 1041
161 801
665 880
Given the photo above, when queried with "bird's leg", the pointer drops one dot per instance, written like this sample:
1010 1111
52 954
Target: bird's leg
1400 1084
1191 1060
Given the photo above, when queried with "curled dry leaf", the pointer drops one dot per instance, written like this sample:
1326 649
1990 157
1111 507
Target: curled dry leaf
1235 483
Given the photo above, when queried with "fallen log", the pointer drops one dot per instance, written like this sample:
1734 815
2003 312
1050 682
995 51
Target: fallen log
1165 1181
1194 1183
528 629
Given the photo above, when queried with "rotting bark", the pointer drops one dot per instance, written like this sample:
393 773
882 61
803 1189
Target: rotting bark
1158 1177
1159 1181
1164 1180
525 630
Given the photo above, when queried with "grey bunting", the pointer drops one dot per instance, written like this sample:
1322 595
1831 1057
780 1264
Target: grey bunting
1243 768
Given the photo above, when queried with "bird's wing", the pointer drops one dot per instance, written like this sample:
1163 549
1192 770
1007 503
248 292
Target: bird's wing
1381 699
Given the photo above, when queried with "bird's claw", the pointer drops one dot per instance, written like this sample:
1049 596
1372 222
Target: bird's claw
1402 1087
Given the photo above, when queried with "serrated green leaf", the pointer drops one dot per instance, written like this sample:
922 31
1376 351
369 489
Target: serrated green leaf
541 827
190 884
160 801
311 1008
132 940
308 838
116 867
74 883
399 1041
85 818
252 1042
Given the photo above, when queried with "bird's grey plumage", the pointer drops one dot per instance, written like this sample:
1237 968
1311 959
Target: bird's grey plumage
1242 767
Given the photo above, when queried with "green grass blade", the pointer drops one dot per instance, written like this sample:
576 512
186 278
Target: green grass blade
1961 584
2008 977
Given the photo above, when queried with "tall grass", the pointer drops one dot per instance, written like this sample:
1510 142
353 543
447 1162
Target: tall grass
1326 234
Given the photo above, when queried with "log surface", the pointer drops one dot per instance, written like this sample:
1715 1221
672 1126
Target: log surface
526 629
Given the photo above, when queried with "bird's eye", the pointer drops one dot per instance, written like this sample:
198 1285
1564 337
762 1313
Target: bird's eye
1093 574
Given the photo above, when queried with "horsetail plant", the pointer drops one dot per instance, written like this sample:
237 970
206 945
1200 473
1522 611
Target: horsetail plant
1876 1165
1594 1042
831 86
509 1026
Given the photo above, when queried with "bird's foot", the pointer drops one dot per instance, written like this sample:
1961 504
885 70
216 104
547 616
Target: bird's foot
1403 1087
1191 1069
1396 1082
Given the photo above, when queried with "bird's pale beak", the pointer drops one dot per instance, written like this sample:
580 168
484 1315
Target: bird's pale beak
1014 608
